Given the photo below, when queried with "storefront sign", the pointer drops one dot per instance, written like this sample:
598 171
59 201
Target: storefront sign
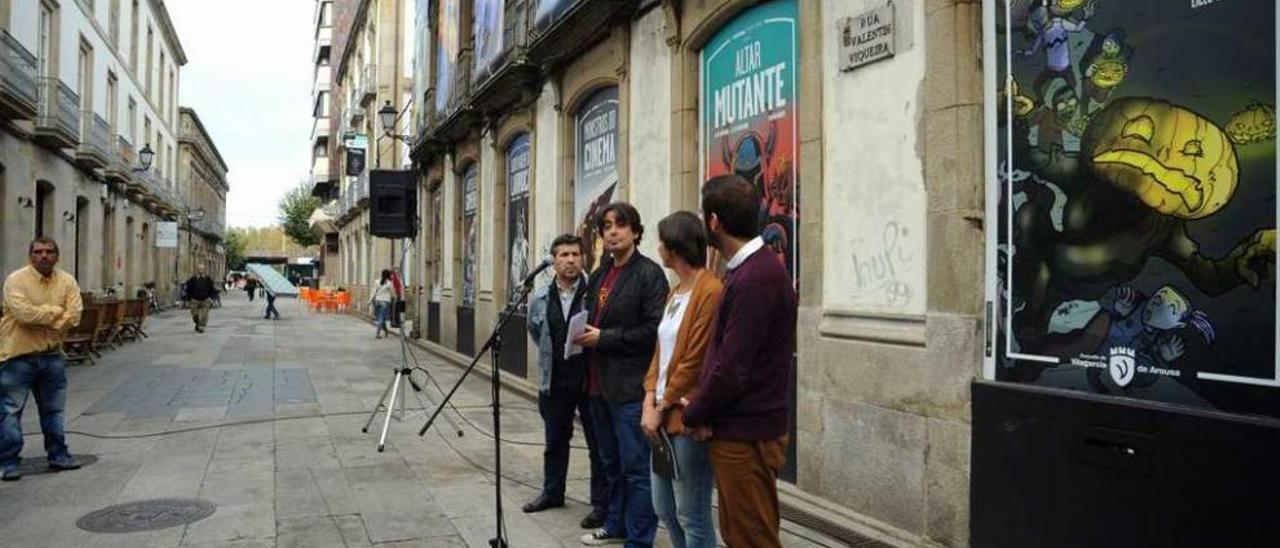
517 216
355 161
749 92
166 234
867 37
1134 234
595 166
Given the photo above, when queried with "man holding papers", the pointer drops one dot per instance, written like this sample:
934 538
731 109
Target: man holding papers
563 389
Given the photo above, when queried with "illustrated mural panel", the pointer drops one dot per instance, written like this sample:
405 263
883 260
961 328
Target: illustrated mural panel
749 93
596 166
448 19
487 30
1136 165
517 216
470 205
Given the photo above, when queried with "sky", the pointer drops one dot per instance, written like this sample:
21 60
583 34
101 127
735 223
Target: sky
248 76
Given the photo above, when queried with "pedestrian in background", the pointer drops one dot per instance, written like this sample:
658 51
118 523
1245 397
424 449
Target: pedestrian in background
683 503
272 313
742 404
625 297
199 297
381 301
41 303
250 287
563 382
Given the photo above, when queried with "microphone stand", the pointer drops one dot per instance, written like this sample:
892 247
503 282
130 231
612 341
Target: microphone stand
494 347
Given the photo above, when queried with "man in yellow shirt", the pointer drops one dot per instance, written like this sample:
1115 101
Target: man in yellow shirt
41 303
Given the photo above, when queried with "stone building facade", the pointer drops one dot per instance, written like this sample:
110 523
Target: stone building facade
528 115
86 88
202 184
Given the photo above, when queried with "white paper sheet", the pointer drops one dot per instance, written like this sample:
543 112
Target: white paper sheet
577 326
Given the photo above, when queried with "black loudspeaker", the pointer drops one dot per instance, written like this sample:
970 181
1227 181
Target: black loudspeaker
393 203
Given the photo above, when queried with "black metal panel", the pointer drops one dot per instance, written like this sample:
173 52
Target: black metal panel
466 330
433 322
515 357
1052 468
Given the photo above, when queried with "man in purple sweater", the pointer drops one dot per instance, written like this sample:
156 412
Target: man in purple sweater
741 405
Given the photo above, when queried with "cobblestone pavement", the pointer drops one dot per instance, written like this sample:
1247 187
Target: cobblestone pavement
263 419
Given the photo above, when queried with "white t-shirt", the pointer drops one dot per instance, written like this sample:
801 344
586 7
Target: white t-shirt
667 332
382 294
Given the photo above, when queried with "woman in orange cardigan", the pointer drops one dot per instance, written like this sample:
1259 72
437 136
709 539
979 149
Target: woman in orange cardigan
682 503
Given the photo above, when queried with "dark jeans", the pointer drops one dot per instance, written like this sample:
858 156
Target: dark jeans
557 416
624 451
271 308
44 375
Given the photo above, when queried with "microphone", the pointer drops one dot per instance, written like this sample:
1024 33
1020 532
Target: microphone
528 280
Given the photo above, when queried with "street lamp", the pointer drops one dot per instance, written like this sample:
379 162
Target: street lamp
144 157
388 116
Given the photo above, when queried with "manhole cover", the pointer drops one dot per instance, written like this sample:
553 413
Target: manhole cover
37 466
145 515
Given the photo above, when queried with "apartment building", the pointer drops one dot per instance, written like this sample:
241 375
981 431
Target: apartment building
89 136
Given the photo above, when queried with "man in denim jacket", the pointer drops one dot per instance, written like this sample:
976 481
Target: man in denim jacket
563 386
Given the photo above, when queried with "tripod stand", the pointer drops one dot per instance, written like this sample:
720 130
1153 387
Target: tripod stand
494 347
402 376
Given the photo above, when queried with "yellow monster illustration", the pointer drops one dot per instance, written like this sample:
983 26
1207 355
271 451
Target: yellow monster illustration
1174 160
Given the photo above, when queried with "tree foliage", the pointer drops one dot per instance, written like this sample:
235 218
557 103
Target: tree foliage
235 246
296 208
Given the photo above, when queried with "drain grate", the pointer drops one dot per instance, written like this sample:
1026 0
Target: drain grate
37 466
145 515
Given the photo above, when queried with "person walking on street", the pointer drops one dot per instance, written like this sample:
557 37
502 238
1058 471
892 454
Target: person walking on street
563 386
41 303
742 403
683 503
272 313
250 287
625 298
381 301
199 296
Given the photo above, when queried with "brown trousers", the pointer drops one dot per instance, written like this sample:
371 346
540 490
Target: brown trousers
746 479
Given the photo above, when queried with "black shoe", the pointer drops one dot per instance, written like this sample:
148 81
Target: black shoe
541 503
11 474
594 520
59 465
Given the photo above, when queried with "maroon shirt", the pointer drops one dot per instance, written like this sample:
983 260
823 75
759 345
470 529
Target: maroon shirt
746 373
602 300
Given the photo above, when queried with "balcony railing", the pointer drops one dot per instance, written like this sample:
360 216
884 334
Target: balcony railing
58 121
120 163
94 148
368 84
209 227
19 88
460 92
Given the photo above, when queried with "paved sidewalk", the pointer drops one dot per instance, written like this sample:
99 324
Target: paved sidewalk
294 469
